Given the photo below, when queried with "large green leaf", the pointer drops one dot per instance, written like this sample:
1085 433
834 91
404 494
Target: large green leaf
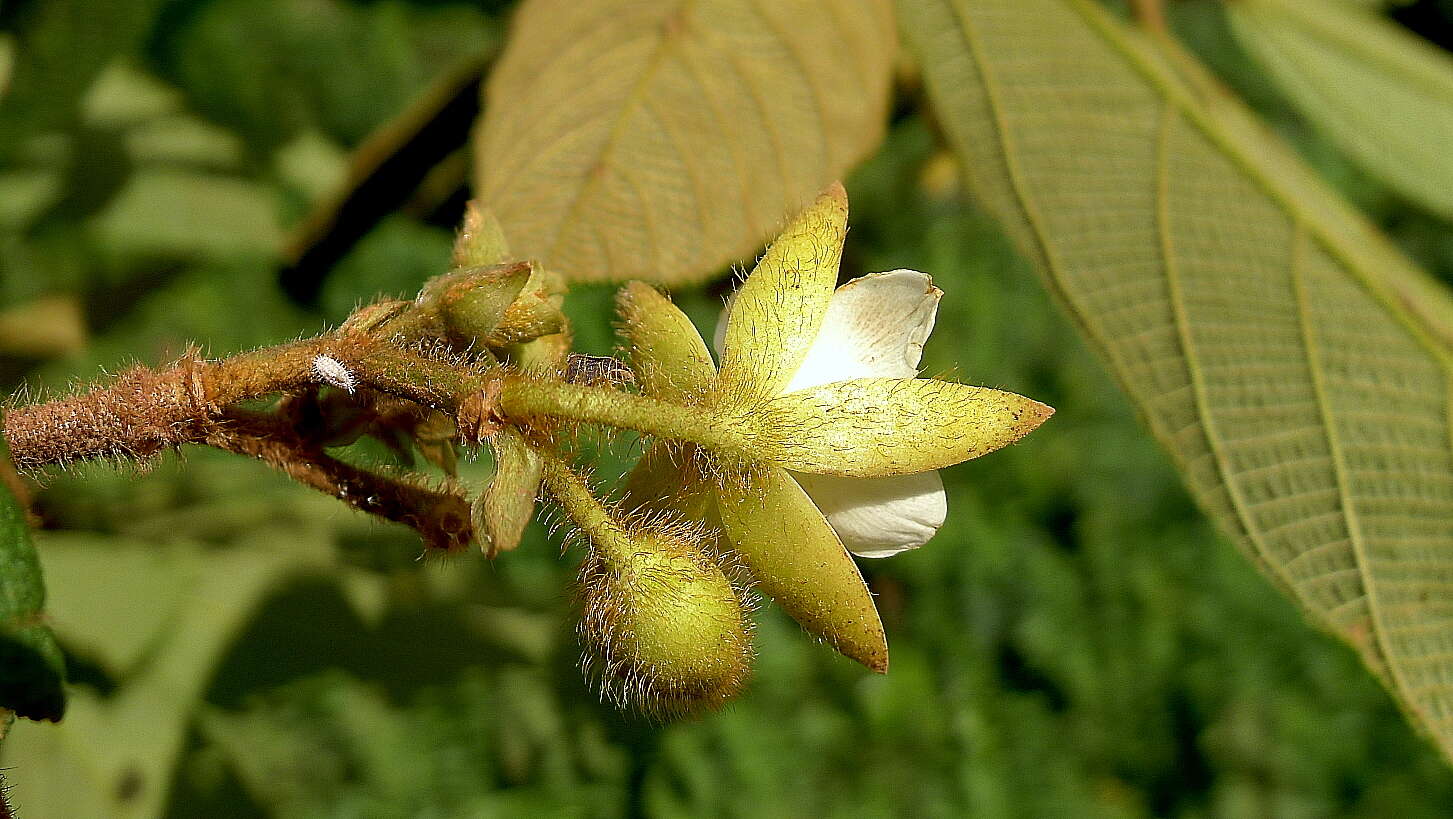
1384 95
1293 363
31 668
158 616
662 140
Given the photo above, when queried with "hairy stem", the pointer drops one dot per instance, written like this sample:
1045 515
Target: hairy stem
521 397
145 411
609 539
440 517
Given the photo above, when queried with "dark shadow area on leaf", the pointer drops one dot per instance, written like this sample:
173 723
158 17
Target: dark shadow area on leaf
31 684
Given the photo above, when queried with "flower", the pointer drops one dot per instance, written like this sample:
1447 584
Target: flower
844 438
875 326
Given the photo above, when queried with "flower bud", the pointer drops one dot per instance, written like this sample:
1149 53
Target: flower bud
489 306
534 313
481 240
375 318
471 303
664 629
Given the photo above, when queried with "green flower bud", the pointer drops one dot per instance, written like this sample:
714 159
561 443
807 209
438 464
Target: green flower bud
375 318
469 304
665 631
481 240
534 313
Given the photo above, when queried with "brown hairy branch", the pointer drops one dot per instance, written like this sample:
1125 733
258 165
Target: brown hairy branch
440 516
144 411
141 413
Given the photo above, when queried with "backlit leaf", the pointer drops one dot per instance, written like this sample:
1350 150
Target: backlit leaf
1384 95
1294 364
662 140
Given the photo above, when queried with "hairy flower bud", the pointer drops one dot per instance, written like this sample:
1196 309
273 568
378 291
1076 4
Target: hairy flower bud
665 630
481 240
375 318
489 306
471 303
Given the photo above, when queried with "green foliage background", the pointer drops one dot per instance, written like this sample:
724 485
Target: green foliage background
1076 641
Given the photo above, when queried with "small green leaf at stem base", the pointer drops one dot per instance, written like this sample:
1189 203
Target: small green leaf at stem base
32 671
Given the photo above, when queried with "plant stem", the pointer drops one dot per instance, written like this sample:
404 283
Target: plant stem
522 397
607 536
440 517
144 411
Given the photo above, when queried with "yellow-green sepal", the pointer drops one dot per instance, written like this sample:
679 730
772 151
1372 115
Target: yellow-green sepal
481 240
779 309
797 559
870 427
668 478
534 313
667 354
501 513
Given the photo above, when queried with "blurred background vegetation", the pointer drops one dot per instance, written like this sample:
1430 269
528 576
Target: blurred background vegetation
1077 641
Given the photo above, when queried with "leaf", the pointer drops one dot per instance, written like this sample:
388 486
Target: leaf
47 327
173 608
32 671
662 140
178 211
1382 94
1295 365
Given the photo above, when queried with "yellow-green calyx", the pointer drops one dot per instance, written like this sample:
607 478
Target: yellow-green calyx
814 437
507 504
664 629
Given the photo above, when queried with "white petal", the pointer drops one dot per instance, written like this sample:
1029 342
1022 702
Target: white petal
718 339
878 517
875 327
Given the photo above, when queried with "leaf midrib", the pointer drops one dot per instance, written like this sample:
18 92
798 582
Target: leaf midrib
599 166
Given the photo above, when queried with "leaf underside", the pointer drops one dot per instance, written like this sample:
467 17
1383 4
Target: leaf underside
1383 95
1295 366
663 140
